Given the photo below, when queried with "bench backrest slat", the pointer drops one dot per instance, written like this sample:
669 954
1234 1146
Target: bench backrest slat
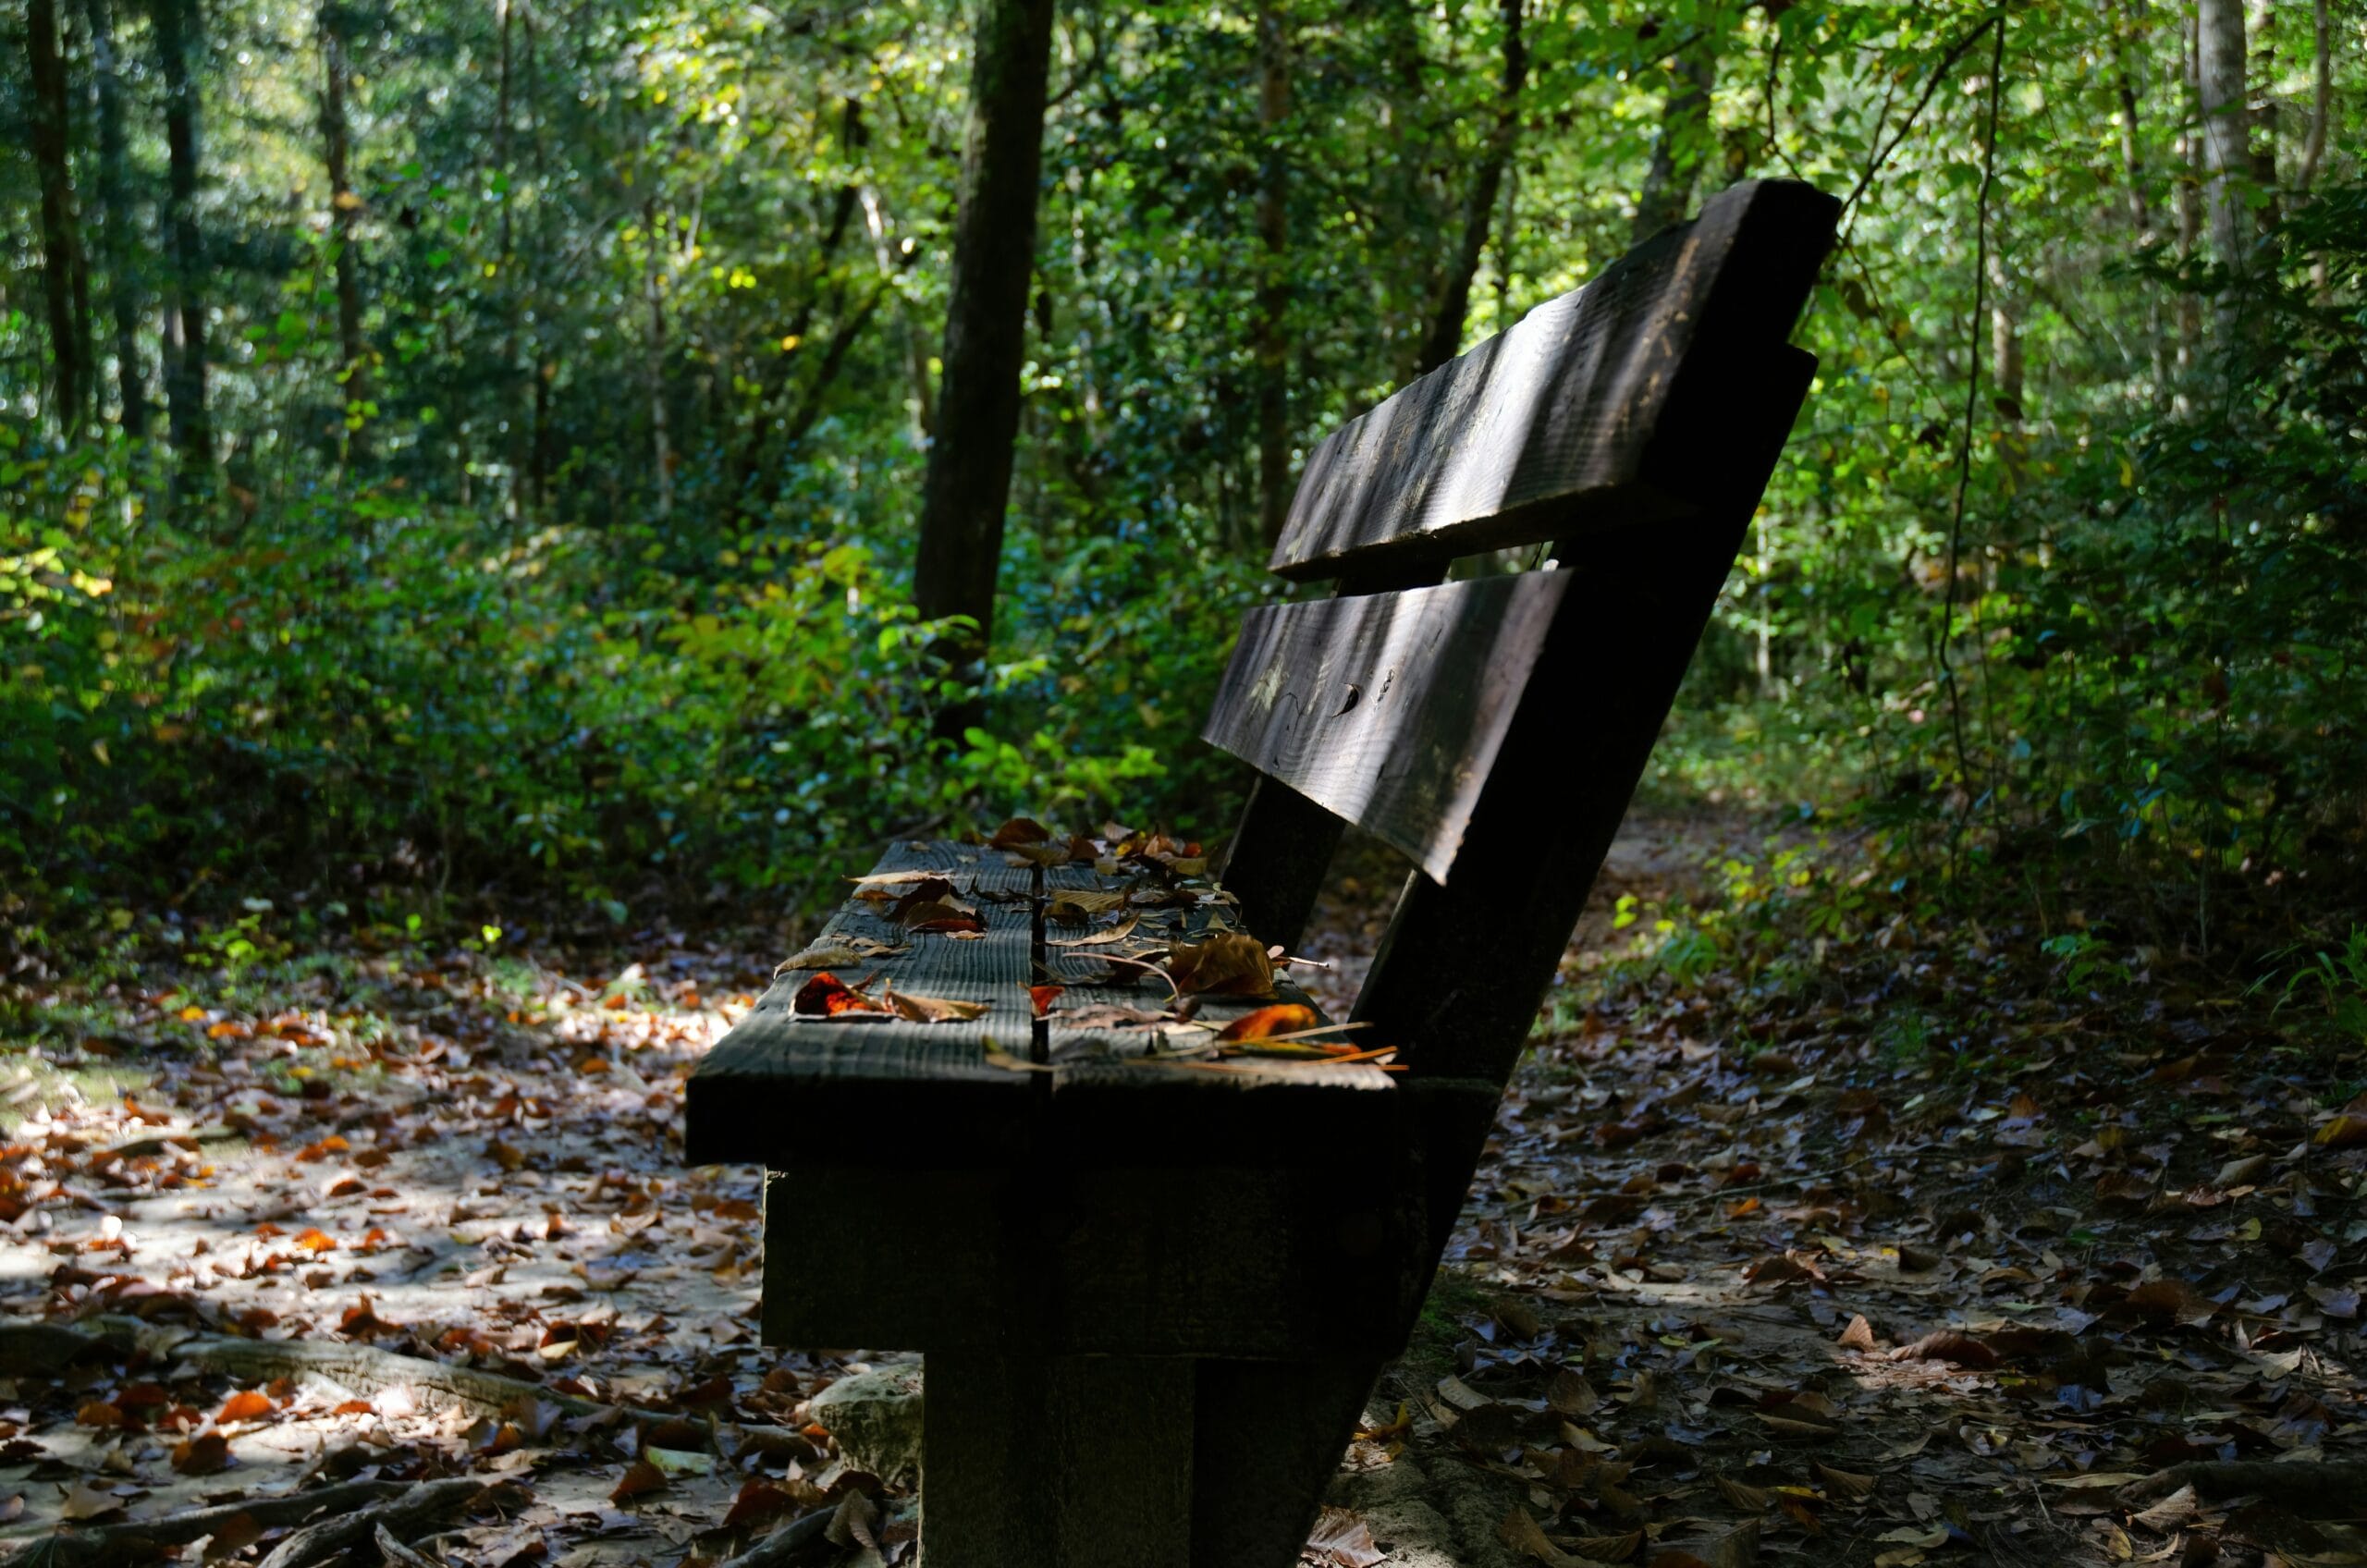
1557 424
1386 709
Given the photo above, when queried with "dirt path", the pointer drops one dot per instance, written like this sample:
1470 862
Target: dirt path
1742 1280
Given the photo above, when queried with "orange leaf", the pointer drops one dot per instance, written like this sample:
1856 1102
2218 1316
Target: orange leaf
759 1501
202 1454
640 1477
99 1413
826 996
1044 996
246 1404
312 1239
1283 1018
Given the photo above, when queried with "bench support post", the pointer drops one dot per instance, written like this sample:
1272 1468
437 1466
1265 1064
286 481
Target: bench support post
1056 1462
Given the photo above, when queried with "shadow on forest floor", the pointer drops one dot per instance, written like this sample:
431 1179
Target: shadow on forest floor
1740 1279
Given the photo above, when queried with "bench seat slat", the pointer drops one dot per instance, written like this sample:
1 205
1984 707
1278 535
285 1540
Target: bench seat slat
1387 709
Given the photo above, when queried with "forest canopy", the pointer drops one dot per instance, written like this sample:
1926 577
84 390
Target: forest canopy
458 452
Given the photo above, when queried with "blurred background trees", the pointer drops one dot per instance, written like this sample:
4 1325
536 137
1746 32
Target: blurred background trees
468 451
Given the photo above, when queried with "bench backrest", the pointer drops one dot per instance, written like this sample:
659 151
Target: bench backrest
1494 728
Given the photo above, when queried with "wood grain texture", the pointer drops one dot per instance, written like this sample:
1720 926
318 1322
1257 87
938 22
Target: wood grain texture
1557 425
780 1088
1464 967
1060 1257
1387 709
1034 1461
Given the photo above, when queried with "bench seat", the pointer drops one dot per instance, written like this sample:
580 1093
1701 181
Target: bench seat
952 1179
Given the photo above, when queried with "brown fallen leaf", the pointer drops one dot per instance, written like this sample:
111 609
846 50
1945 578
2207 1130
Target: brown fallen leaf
1846 1485
2344 1132
640 1477
936 914
928 890
84 1500
1342 1538
1520 1531
1738 1494
202 1454
1232 964
932 1009
1859 1335
2171 1513
1100 938
1950 1345
838 953
1020 830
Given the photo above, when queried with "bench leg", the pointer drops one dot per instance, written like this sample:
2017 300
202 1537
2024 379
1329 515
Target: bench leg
1056 1462
1269 1437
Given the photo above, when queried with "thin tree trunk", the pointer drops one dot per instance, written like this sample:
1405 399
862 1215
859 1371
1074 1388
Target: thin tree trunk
1684 139
1273 279
117 250
2313 146
660 453
968 483
2227 141
513 422
2132 162
1445 337
2262 69
344 206
61 245
178 29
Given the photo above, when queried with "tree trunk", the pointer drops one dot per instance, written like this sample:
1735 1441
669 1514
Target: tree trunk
1684 139
2227 141
661 454
2132 162
1273 279
344 206
1445 337
178 30
2313 146
2262 69
117 249
61 246
968 482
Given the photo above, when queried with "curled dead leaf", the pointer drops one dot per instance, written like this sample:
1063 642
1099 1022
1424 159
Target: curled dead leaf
1018 830
640 1477
932 1009
1283 1018
826 996
1227 966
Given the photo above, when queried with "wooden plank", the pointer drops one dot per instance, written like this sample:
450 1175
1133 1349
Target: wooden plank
1062 1258
1388 709
1464 967
1268 1441
780 1087
1557 425
1277 858
1056 1462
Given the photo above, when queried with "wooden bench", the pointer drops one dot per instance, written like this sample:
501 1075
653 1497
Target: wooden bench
1153 1295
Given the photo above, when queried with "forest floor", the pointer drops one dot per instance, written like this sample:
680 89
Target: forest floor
1939 1259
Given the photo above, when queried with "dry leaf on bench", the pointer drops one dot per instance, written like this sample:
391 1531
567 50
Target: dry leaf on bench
826 996
932 1009
1100 938
1283 1018
1020 830
838 952
1229 965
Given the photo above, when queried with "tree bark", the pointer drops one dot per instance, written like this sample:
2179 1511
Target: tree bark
1273 276
61 244
2262 69
2189 195
1683 143
2227 141
661 454
1445 337
968 482
344 207
2313 146
2132 162
117 251
178 30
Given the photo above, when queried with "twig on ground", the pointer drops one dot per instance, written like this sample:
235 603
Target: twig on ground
2296 1484
413 1512
109 1546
